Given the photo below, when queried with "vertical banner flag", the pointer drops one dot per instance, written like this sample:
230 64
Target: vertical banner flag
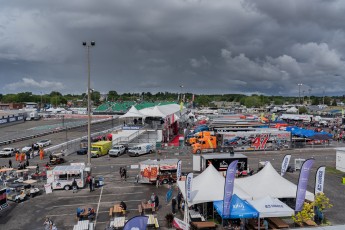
136 223
302 184
193 97
178 172
229 187
179 224
181 106
285 164
189 180
319 179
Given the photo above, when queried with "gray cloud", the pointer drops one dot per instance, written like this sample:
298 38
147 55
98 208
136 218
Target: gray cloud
247 46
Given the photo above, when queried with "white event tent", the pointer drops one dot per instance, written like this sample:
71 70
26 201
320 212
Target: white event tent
132 112
271 207
268 182
208 187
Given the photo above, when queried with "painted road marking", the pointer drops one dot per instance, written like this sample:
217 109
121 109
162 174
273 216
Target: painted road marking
109 194
99 201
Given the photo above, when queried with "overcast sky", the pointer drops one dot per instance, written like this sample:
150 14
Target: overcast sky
208 46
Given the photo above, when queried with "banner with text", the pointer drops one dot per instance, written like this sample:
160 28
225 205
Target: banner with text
189 181
229 187
320 179
302 184
285 164
178 172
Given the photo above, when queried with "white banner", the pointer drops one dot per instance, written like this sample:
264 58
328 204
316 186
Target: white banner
178 172
48 188
179 224
320 179
189 180
285 164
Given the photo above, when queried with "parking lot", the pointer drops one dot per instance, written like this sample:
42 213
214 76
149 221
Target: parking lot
61 205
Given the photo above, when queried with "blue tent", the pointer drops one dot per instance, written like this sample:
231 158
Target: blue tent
240 209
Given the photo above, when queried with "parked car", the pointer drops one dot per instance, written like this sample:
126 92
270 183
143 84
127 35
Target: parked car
117 150
27 149
43 143
82 151
7 152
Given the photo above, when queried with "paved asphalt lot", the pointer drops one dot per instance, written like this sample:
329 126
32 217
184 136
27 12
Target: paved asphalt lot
61 205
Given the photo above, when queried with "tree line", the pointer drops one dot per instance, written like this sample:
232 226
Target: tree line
57 99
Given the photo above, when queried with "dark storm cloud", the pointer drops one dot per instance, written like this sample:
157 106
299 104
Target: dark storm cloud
261 46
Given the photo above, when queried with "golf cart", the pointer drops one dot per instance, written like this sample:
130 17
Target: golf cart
15 193
30 189
56 158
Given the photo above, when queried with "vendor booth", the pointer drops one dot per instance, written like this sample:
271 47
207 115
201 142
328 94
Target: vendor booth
271 207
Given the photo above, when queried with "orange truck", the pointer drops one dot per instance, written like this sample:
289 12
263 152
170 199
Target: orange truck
205 144
198 136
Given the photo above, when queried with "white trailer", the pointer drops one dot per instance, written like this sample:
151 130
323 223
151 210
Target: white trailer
61 177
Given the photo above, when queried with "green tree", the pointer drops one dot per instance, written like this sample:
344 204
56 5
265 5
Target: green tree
302 110
112 95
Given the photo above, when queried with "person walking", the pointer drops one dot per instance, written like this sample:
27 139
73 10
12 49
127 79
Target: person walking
179 199
74 186
156 202
41 154
10 163
93 183
90 184
121 172
173 205
27 162
37 169
125 173
17 156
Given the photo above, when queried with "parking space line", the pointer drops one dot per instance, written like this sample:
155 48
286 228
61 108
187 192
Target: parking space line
99 201
108 194
83 204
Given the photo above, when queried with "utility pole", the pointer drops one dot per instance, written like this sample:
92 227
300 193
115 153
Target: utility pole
92 43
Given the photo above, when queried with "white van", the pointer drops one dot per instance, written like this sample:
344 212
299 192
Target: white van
141 149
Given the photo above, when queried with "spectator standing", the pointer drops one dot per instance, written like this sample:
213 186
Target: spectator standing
37 169
17 156
10 163
90 184
173 205
74 186
156 202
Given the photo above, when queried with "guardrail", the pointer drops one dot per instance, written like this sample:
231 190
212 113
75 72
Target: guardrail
60 129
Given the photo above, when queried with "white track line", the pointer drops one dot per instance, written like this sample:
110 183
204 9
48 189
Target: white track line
99 201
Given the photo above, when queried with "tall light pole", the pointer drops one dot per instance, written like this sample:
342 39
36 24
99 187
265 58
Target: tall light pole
88 46
299 92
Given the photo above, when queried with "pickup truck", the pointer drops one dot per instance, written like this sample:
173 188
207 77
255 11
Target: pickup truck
7 152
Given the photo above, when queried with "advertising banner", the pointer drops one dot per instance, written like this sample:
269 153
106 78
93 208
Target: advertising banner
189 180
229 187
178 172
285 164
319 179
136 223
48 188
302 184
179 224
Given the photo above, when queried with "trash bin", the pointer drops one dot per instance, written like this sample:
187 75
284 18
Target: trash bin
99 181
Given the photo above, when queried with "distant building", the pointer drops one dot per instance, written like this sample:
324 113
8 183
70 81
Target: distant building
11 106
226 104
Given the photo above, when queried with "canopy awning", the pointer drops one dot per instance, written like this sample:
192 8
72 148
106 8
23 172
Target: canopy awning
239 209
271 207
